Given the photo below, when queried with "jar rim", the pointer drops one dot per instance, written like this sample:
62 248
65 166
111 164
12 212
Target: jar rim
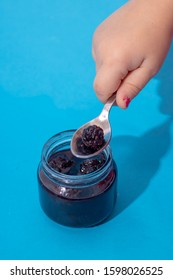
52 142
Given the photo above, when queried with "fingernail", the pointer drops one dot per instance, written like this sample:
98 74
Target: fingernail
127 101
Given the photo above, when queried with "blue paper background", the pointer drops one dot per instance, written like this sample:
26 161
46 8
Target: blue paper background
46 77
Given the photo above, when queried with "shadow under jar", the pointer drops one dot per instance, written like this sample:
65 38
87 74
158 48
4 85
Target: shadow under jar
69 196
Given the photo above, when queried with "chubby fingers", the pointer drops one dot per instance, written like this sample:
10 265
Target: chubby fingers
126 83
132 85
108 80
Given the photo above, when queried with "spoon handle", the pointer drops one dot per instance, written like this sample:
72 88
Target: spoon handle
105 112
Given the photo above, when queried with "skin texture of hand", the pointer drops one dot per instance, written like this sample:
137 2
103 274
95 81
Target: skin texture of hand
129 48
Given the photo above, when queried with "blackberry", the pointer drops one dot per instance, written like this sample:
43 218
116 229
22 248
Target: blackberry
91 165
82 148
60 164
93 137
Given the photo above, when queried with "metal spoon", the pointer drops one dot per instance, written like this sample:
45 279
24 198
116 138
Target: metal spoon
102 121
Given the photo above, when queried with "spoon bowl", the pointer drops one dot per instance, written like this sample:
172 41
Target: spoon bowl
101 121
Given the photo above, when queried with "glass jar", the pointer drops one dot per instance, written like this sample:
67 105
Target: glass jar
80 200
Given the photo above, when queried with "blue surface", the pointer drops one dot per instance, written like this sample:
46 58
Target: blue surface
46 77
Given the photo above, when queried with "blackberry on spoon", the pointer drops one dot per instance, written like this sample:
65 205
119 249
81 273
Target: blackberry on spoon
83 144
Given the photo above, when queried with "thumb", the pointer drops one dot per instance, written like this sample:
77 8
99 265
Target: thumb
132 85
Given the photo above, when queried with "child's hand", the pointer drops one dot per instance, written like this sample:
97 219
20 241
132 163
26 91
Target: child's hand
130 46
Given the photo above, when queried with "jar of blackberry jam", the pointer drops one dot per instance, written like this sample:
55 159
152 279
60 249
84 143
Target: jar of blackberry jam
75 192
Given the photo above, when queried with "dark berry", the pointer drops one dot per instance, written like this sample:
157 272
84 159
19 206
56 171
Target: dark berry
82 148
91 165
60 164
93 137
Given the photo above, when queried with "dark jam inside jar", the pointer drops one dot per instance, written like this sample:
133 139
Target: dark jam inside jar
64 162
76 192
